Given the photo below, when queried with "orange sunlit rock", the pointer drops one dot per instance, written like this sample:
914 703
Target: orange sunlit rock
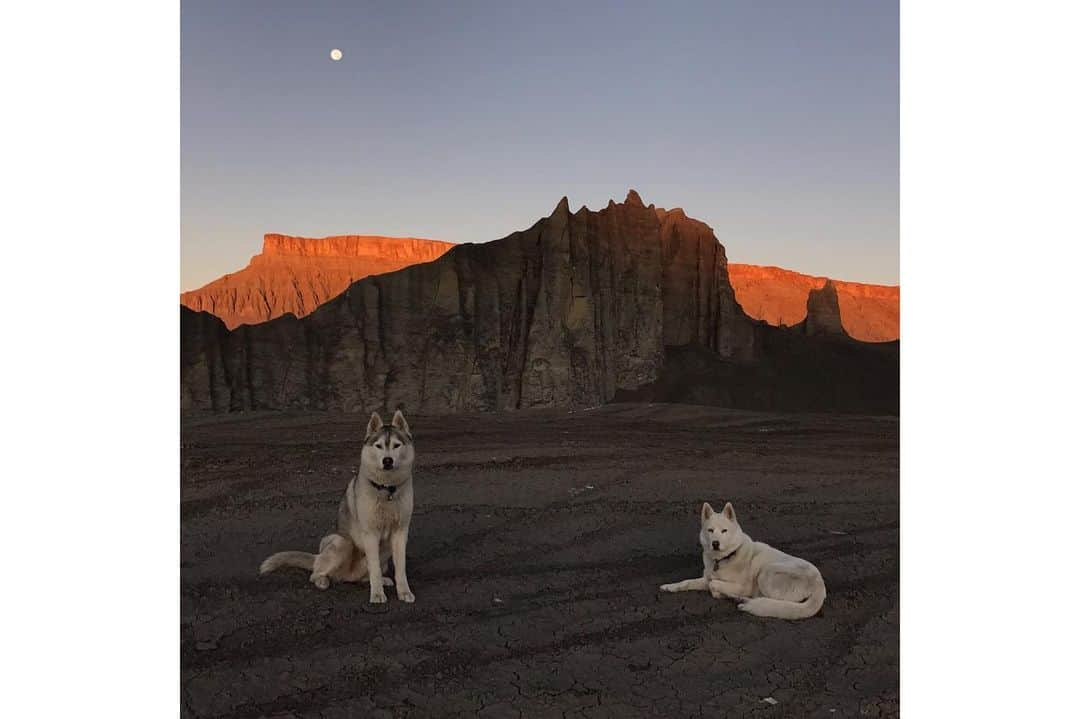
870 313
297 274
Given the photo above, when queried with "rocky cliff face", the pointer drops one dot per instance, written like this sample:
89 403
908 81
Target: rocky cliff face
578 309
870 313
297 274
562 314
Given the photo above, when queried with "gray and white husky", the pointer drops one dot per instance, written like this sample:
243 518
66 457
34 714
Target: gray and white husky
765 581
374 513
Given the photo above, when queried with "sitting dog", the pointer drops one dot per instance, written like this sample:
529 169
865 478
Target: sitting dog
765 581
376 509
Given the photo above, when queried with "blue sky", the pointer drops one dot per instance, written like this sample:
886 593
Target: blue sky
777 123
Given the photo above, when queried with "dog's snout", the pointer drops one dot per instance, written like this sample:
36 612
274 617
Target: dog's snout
716 545
387 462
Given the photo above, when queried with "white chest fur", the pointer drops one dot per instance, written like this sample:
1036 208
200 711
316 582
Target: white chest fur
386 515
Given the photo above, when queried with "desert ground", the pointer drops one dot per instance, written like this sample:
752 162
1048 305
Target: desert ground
538 545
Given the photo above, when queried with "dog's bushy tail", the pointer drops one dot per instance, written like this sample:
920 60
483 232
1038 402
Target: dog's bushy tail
780 609
302 560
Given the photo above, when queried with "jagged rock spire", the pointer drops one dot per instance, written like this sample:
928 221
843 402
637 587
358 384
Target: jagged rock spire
823 311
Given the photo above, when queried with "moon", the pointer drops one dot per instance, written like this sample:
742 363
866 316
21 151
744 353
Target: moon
335 54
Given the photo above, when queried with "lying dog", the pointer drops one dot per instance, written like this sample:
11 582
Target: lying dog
765 581
376 509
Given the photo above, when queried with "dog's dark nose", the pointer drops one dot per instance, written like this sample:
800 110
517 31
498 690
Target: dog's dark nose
716 545
387 462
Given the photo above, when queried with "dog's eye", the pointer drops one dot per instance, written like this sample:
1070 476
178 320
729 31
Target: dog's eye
722 531
378 446
710 531
397 445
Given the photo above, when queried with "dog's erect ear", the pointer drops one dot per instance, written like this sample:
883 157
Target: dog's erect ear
729 511
374 424
706 511
400 424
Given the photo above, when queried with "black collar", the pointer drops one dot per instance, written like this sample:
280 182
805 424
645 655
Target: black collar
388 488
729 555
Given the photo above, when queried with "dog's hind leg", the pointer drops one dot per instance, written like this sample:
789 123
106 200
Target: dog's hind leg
335 551
356 570
787 582
789 592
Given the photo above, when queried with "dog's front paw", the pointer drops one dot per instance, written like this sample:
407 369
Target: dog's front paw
321 582
667 587
378 596
406 596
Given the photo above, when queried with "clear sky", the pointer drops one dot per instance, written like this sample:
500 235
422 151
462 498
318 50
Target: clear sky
777 123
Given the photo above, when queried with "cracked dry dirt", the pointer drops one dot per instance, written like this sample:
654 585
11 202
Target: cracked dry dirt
537 547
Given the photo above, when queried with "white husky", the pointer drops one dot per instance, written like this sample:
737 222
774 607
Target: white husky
376 511
765 581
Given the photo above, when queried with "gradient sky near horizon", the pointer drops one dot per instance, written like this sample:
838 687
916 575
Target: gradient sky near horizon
777 123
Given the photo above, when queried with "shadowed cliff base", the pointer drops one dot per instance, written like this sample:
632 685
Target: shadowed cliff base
569 313
822 374
812 367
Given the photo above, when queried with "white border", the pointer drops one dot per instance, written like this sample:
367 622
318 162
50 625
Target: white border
90 476
989 197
